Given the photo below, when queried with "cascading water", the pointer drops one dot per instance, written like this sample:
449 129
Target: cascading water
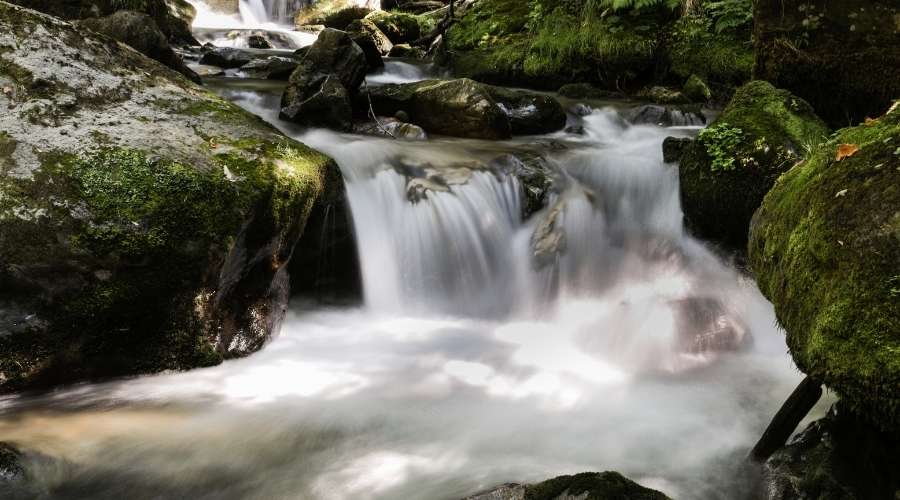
232 29
473 362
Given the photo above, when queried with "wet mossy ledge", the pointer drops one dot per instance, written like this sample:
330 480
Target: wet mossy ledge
825 249
145 224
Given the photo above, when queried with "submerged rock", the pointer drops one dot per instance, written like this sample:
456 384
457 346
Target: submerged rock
734 162
141 33
391 127
271 68
673 148
587 485
227 57
145 223
536 175
11 469
836 457
667 116
825 249
319 91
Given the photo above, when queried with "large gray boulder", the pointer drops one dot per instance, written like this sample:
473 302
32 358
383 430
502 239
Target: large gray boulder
329 74
145 224
140 32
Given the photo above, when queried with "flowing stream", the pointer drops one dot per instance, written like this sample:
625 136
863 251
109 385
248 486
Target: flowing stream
635 348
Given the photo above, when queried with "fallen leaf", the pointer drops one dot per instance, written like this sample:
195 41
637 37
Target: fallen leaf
840 193
846 151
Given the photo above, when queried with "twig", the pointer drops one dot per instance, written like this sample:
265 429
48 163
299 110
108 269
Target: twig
372 112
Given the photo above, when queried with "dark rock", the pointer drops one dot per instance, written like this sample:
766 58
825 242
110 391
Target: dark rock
156 235
587 485
673 148
838 457
271 68
11 469
824 249
581 110
405 50
419 6
320 89
536 175
734 162
575 130
843 59
259 42
460 108
529 113
227 57
141 33
341 19
371 40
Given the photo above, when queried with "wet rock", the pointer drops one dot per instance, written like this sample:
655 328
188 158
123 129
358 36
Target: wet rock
696 90
320 89
666 116
548 241
581 110
840 456
824 249
417 188
205 71
663 95
734 162
587 485
673 148
529 113
226 57
259 42
536 175
460 108
391 127
146 223
140 32
848 64
406 51
11 469
371 40
399 27
343 18
271 68
575 130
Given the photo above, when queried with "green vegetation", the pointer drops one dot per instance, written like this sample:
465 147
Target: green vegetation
824 248
721 141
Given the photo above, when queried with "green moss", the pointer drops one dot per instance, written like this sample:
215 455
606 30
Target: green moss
695 49
825 247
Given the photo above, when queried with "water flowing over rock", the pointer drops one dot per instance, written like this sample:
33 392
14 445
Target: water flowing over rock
735 161
145 224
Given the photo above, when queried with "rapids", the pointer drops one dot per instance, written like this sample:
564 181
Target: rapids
466 365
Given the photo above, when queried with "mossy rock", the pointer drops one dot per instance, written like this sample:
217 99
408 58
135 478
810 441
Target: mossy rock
342 18
398 26
697 90
825 248
145 224
733 163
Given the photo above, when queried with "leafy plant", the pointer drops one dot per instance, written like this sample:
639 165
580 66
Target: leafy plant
635 5
722 142
730 14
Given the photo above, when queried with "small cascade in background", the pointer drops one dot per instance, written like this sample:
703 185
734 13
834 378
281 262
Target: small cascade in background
273 18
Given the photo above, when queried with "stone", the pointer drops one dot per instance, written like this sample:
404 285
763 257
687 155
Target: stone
673 148
696 90
259 42
399 27
139 31
824 250
529 113
587 485
371 40
145 223
585 91
227 57
271 68
727 171
404 50
663 95
667 116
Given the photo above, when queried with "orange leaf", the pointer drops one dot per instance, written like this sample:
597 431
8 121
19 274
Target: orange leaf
846 151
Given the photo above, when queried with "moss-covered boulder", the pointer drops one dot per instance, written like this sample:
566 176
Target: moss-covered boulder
371 40
825 248
341 19
145 224
140 32
173 17
587 486
734 162
842 56
398 26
